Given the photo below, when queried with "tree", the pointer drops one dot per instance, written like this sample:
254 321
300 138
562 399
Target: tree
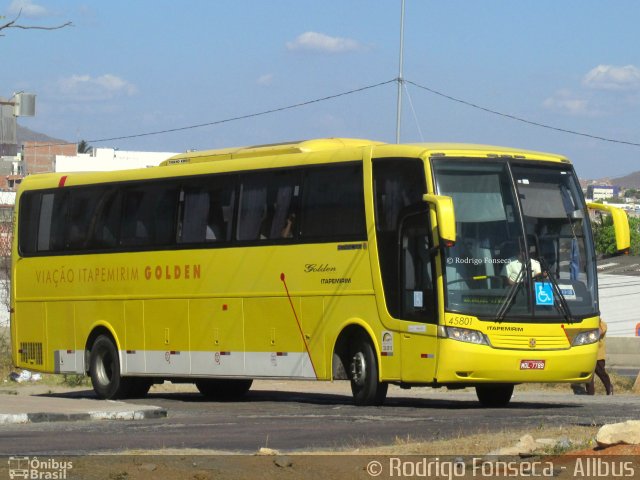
605 238
84 147
14 24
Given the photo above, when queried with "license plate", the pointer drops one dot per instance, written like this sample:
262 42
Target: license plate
531 364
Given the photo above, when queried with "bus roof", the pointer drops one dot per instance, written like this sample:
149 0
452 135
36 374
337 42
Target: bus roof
326 144
266 156
305 146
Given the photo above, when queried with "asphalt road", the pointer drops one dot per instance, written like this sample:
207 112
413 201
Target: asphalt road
302 416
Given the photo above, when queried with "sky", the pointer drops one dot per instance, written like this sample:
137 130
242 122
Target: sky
128 68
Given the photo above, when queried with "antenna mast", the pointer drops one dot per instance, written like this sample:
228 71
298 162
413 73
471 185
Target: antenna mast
400 78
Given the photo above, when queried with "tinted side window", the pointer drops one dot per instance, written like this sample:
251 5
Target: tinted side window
29 221
43 220
268 205
333 203
207 210
104 229
149 215
53 220
398 183
85 205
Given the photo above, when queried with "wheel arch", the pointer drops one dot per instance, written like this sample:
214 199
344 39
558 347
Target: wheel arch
340 352
99 328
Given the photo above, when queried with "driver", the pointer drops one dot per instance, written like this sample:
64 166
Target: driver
515 270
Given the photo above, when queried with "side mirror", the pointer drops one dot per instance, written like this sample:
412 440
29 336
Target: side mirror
446 217
620 225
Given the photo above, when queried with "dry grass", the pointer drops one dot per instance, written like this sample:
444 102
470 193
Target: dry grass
479 444
482 443
621 384
5 353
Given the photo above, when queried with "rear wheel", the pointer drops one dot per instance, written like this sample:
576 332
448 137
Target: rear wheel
494 396
225 390
363 373
104 367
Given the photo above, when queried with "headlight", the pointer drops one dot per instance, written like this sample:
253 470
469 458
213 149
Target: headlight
585 338
464 335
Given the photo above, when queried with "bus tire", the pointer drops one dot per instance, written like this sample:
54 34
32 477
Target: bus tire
363 373
104 368
223 390
495 395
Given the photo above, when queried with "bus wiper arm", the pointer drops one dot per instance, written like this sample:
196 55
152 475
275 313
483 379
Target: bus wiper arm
510 296
563 306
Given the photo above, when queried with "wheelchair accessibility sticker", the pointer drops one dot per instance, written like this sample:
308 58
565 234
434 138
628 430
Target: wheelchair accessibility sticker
544 293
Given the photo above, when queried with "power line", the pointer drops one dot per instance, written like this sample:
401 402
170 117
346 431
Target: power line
520 119
227 120
342 94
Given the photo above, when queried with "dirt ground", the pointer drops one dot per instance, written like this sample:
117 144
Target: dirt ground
405 456
586 463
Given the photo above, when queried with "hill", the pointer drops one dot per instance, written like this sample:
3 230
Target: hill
25 135
631 180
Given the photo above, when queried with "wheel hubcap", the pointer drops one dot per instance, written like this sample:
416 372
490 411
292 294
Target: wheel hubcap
358 369
104 368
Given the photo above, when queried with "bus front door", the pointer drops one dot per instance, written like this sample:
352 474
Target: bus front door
418 300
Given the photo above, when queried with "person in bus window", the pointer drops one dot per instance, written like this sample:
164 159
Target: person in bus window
287 230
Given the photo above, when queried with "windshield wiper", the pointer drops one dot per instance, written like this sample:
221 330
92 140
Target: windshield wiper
562 305
510 296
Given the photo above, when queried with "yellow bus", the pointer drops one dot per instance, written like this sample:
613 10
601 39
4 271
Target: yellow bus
441 265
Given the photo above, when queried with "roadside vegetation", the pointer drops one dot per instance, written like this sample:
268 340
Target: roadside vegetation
6 368
5 353
621 384
605 239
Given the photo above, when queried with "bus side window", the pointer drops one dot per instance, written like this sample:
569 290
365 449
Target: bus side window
252 207
59 220
280 221
267 204
208 210
149 215
43 218
44 223
104 229
85 206
196 211
30 204
333 203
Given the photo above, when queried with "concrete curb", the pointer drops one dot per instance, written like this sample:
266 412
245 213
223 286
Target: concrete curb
42 417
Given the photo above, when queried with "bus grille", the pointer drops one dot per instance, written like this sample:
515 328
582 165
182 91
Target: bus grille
518 342
31 352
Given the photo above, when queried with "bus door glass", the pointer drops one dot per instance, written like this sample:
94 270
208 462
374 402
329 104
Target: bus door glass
399 184
417 287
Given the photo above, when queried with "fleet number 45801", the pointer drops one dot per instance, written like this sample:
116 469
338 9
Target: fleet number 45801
459 321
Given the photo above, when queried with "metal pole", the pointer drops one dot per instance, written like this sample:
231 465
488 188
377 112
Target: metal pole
400 78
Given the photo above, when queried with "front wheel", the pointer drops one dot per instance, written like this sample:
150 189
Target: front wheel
363 373
104 367
494 396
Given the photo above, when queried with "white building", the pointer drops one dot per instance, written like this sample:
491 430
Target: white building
106 159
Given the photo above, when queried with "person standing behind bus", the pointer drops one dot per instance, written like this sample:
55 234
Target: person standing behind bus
600 365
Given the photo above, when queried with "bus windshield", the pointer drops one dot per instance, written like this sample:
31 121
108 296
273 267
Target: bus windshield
523 250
